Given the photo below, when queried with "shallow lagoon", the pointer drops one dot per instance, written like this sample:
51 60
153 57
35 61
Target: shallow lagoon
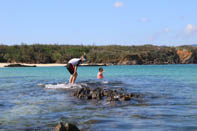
169 102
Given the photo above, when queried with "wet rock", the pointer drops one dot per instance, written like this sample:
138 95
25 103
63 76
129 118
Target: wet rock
104 94
66 127
125 98
107 92
71 127
112 98
97 94
132 95
60 127
83 93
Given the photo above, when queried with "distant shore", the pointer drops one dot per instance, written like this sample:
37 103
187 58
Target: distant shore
50 64
37 65
117 55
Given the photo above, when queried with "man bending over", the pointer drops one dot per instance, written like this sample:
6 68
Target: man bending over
72 67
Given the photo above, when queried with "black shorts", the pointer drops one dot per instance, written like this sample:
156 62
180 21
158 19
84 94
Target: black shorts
70 68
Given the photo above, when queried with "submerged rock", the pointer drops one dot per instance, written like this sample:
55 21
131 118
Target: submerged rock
66 127
109 95
125 98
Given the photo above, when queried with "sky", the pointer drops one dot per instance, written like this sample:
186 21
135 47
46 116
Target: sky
98 22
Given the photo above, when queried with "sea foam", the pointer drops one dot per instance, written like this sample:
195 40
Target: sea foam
62 86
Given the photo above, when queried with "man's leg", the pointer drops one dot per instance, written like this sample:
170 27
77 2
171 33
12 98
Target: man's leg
71 79
74 78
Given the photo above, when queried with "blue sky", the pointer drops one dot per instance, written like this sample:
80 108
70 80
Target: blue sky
98 22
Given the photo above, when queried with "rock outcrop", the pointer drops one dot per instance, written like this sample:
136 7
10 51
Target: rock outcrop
19 65
131 60
109 95
185 56
66 127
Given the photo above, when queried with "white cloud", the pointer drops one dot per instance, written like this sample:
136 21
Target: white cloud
190 29
144 19
118 4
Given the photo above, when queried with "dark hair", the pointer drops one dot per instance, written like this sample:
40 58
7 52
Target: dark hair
100 69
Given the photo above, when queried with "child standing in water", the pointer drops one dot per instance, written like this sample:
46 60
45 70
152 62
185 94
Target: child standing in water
100 73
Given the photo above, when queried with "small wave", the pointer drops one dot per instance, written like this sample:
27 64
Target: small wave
89 83
40 85
105 82
62 86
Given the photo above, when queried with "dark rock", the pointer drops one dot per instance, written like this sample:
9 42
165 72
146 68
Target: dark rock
125 98
19 65
60 127
134 95
83 93
97 94
66 127
112 98
121 89
132 60
71 127
87 93
107 92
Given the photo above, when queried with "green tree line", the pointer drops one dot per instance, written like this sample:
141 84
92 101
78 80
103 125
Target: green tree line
39 53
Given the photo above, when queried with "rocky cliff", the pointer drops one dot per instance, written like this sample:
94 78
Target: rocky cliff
185 56
131 60
178 56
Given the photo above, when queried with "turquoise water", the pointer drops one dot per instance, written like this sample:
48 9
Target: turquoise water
169 98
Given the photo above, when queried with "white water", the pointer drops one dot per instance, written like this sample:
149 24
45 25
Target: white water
63 86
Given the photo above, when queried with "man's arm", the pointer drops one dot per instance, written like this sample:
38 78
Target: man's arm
75 69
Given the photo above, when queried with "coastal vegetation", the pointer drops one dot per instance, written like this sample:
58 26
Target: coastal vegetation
111 54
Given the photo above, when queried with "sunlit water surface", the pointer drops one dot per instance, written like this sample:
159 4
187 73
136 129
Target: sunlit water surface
30 98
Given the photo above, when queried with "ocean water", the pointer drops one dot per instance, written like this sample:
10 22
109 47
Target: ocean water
38 98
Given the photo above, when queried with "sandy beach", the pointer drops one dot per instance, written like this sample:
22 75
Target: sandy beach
53 64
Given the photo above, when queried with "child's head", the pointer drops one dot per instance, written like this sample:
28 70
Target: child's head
100 69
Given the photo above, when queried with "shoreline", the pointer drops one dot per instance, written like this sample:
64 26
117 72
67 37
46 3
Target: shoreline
2 65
